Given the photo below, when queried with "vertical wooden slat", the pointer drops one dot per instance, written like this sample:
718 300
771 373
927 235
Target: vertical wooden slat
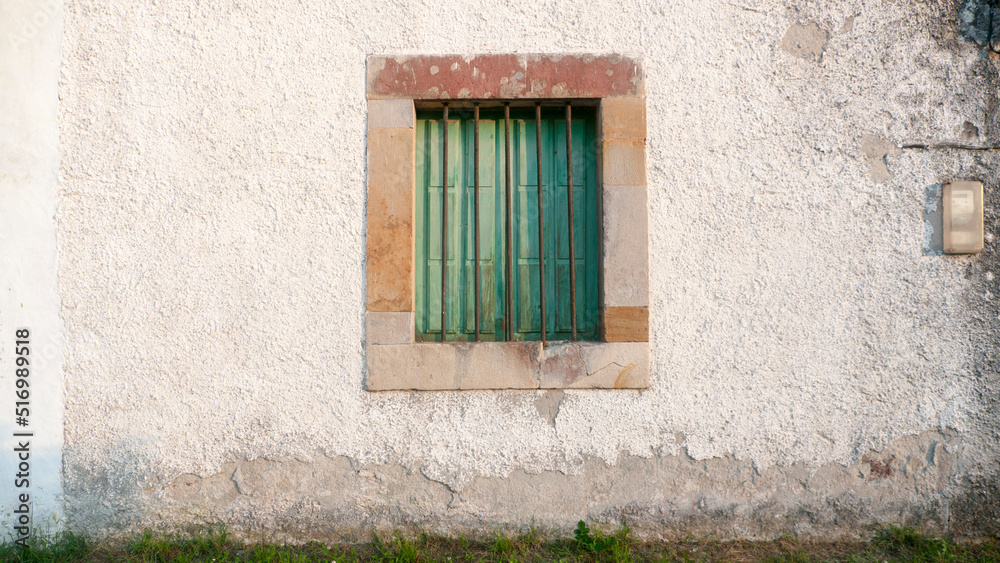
541 215
509 281
475 212
569 203
444 228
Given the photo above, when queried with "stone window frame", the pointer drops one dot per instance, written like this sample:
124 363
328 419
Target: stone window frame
394 361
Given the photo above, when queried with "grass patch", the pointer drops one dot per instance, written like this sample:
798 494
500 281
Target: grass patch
588 544
48 549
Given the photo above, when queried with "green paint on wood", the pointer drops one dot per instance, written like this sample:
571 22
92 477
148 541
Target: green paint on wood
461 259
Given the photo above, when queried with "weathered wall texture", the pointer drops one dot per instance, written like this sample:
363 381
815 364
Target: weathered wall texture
817 365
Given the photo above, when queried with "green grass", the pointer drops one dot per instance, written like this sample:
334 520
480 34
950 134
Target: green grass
45 549
887 544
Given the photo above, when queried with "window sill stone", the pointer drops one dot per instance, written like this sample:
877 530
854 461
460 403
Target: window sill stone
508 365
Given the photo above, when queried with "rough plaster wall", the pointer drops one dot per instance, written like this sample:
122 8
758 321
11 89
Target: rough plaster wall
212 274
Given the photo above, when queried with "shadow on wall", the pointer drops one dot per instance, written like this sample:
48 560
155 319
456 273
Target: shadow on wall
978 508
112 495
974 21
933 221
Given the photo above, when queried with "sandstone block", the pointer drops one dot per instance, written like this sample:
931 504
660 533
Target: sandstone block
389 328
623 119
391 114
625 324
413 366
499 365
626 243
595 365
390 253
624 163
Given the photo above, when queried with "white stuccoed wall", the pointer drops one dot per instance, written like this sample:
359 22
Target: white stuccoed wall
211 222
29 161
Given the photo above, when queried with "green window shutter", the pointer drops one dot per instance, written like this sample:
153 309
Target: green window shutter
461 259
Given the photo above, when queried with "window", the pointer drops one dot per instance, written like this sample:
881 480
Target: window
524 290
401 350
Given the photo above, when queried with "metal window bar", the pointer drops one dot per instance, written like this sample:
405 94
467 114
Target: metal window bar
569 203
475 212
541 214
509 293
444 227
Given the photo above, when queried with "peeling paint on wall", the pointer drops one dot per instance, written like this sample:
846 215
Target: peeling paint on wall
933 221
877 151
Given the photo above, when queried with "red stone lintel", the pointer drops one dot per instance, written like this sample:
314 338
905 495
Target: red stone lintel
503 76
